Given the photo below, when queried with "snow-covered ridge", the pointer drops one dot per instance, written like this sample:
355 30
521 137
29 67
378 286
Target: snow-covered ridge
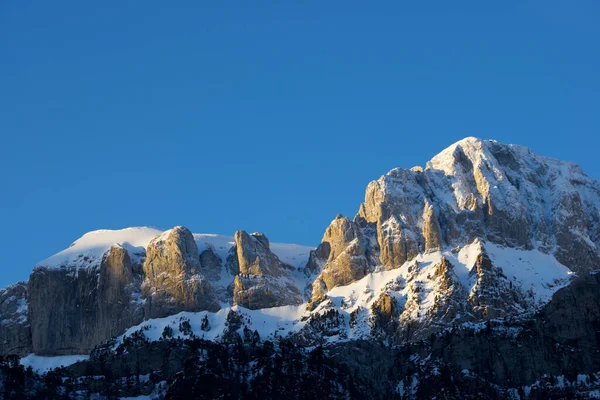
536 275
87 251
268 322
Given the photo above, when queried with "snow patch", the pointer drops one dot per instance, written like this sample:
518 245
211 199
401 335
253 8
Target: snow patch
269 322
42 364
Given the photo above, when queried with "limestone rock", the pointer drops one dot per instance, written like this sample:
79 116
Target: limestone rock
385 315
263 292
74 309
263 280
318 258
119 299
210 265
397 245
339 235
505 194
255 257
174 281
346 261
431 228
493 295
63 310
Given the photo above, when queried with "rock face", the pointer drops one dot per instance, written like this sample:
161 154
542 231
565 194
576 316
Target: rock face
210 265
15 335
119 297
108 281
63 310
254 255
504 194
72 310
263 281
174 281
493 295
343 254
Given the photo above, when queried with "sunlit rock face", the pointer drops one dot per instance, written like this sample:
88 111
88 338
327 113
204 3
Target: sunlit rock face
503 194
174 281
73 309
263 280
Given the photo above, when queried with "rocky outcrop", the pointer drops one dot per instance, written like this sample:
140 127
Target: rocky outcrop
82 297
210 265
431 305
345 252
397 245
493 295
119 298
431 228
317 259
449 298
63 310
385 313
504 194
15 334
263 280
263 292
255 256
74 309
173 279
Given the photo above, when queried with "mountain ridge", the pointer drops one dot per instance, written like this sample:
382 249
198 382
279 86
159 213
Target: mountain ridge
486 234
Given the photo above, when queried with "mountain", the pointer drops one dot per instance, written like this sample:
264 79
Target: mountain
474 277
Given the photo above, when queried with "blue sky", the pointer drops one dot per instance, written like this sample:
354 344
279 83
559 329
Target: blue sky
267 116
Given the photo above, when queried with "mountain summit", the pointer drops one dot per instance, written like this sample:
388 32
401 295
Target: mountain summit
487 237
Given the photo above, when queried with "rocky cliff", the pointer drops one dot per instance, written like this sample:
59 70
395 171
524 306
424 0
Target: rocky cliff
108 281
74 309
174 281
262 281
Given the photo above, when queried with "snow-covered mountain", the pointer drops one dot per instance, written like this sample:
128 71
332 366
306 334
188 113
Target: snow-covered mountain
485 234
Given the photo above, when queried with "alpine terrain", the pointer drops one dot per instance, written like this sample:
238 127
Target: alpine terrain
475 276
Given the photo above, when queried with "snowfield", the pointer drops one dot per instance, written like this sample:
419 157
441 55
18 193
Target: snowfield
268 322
42 364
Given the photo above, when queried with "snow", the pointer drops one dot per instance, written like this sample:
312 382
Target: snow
531 270
414 284
293 254
15 307
42 364
268 322
219 244
535 273
89 249
525 185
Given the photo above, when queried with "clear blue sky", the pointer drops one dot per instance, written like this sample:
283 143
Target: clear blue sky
267 116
